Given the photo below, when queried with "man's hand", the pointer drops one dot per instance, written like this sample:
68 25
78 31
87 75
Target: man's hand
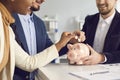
93 58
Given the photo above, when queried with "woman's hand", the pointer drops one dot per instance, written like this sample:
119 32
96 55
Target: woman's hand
65 38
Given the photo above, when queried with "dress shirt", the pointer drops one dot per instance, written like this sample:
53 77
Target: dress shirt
30 34
101 32
29 31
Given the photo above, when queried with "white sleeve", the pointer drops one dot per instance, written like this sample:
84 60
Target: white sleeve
30 63
105 59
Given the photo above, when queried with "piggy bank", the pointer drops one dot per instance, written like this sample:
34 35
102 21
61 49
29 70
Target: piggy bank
76 52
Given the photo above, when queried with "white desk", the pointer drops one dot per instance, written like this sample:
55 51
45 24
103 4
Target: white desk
63 71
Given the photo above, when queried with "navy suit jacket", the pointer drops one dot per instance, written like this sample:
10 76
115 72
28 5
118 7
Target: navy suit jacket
112 41
42 39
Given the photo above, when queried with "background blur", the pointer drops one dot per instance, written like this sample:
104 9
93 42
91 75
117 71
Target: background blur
68 15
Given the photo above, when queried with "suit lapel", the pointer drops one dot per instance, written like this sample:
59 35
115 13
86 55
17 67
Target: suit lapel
20 35
38 32
92 29
111 29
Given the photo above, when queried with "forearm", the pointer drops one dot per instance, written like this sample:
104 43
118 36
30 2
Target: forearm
59 46
30 63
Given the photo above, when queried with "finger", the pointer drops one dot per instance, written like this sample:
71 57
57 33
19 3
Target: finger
90 48
80 36
88 62
78 33
85 58
67 33
70 36
82 33
78 39
66 37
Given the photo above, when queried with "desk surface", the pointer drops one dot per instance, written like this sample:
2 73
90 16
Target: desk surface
63 71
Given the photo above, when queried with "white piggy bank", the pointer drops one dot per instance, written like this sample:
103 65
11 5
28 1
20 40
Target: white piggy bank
76 52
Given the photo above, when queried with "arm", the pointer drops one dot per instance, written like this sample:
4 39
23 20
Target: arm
30 63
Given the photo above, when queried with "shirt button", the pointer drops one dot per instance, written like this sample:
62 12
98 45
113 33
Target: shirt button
27 77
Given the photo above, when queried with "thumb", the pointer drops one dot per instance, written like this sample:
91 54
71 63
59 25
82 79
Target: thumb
90 48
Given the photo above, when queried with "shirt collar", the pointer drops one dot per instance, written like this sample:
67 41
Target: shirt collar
107 20
31 16
27 16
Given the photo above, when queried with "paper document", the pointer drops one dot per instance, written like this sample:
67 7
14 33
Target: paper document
99 73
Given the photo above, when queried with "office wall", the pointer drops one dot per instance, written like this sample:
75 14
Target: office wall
118 5
66 11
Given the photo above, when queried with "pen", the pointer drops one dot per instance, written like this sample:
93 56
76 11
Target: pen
78 76
102 72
